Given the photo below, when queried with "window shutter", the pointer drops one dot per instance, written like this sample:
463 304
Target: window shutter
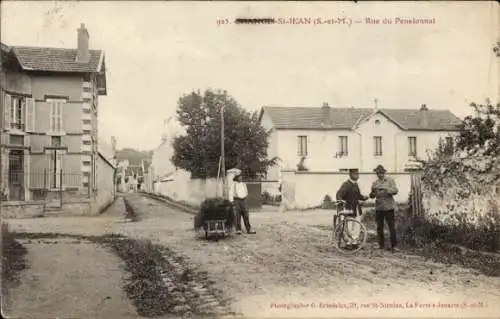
59 116
6 108
52 112
30 114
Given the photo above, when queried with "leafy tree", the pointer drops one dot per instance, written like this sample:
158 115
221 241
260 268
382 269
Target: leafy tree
198 151
481 131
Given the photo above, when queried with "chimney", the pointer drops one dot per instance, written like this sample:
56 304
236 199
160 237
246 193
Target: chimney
83 54
325 114
423 116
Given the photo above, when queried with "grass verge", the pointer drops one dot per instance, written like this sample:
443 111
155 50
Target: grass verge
13 260
153 285
419 239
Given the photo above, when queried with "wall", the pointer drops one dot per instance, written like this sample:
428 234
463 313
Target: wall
273 173
60 85
183 188
160 161
105 185
308 189
323 146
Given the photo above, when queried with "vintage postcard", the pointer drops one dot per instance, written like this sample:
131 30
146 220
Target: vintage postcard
250 159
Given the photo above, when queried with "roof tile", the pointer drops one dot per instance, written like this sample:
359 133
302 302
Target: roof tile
346 118
55 59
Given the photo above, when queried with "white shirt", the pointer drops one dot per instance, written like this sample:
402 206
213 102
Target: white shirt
239 191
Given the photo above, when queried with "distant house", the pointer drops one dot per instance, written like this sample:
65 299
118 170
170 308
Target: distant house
134 171
48 118
145 165
335 139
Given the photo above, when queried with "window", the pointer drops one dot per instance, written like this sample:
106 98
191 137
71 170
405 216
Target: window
377 145
56 141
17 140
17 106
412 146
302 147
343 145
56 119
19 112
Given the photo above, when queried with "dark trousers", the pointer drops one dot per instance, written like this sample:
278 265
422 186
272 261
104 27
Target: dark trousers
240 210
388 216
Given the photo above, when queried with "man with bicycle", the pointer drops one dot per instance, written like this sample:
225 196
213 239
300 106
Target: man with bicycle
350 193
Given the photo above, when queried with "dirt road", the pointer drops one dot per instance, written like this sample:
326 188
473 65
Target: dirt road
288 269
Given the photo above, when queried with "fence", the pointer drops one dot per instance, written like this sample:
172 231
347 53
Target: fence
43 177
415 196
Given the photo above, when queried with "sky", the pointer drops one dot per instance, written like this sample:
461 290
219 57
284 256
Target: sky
157 51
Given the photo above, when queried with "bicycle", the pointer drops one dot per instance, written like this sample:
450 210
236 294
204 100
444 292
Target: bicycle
342 232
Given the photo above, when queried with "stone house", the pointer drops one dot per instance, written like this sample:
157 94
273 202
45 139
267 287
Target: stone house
48 121
331 139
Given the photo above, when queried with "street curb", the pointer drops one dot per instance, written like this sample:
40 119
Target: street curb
184 208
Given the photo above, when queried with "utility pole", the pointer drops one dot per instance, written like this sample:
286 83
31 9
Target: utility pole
222 152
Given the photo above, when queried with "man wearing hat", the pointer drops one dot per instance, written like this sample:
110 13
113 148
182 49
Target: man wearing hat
383 190
238 195
350 193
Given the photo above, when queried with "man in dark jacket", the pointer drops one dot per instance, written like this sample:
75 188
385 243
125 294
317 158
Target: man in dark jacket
383 190
350 193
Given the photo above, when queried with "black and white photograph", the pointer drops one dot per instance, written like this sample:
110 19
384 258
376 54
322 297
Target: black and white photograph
241 159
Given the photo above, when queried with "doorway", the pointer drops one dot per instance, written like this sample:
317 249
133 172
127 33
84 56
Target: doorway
16 175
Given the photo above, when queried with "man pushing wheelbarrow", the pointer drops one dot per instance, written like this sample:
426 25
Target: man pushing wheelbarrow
238 194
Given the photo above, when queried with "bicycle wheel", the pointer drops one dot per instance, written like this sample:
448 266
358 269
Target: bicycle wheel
335 219
342 236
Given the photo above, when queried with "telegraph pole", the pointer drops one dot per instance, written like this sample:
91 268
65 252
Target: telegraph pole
222 151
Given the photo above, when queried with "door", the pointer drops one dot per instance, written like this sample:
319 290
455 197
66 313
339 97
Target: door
55 171
16 175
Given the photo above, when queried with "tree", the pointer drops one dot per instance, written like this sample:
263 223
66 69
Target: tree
198 151
481 131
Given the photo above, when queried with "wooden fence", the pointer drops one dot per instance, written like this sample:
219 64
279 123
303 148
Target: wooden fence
415 200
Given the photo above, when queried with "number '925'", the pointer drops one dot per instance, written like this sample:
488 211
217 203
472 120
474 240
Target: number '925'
222 21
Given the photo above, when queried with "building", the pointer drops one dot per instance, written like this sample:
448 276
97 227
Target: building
48 127
328 139
162 167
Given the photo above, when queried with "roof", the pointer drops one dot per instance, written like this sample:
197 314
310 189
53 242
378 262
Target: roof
106 160
56 59
346 118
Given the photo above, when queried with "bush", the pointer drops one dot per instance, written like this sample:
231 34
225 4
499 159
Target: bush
327 202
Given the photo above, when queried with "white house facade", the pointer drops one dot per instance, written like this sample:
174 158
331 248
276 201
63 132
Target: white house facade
336 139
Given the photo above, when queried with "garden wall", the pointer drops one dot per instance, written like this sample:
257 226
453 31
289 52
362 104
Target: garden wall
307 189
